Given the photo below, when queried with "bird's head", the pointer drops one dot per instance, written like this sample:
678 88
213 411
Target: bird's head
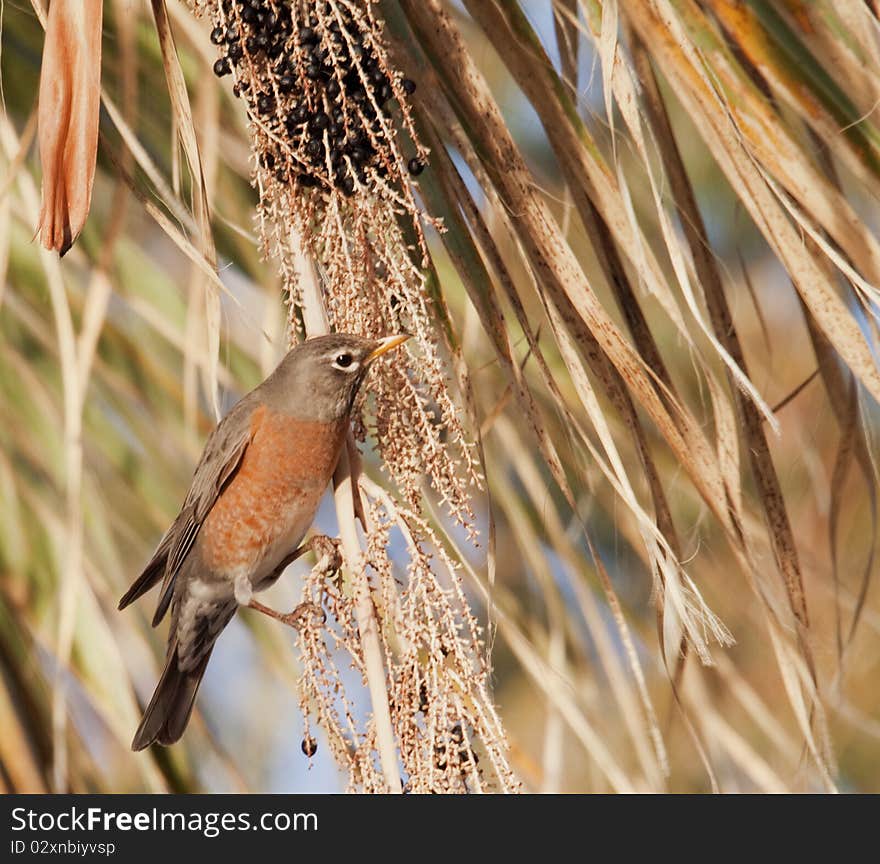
319 378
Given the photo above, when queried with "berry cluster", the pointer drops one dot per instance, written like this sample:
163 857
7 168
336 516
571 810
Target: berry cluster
314 81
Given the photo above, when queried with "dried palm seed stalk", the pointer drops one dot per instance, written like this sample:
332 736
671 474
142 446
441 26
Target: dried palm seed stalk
449 736
336 154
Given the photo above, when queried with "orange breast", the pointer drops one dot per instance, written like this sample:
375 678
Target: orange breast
271 501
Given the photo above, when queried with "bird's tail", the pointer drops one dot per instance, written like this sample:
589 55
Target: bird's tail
169 710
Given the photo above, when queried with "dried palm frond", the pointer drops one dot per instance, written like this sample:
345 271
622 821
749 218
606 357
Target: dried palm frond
70 96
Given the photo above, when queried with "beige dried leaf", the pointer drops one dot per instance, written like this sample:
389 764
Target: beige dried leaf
70 98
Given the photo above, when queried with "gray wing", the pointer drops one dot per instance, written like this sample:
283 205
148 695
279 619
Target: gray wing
220 460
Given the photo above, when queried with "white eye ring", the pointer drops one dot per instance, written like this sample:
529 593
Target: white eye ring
345 363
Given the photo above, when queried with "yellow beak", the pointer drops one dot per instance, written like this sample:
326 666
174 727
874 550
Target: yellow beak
386 345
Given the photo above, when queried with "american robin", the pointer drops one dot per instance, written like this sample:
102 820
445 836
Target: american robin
252 498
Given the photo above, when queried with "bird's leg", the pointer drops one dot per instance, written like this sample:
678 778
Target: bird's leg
296 619
326 550
286 561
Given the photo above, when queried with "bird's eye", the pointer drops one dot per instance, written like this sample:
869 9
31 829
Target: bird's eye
344 361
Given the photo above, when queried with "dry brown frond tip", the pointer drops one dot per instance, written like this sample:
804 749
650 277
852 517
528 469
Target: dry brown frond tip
336 157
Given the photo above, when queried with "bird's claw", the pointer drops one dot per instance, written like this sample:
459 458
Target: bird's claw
300 617
326 551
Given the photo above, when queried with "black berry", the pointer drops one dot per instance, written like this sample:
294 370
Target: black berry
265 103
298 116
319 122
